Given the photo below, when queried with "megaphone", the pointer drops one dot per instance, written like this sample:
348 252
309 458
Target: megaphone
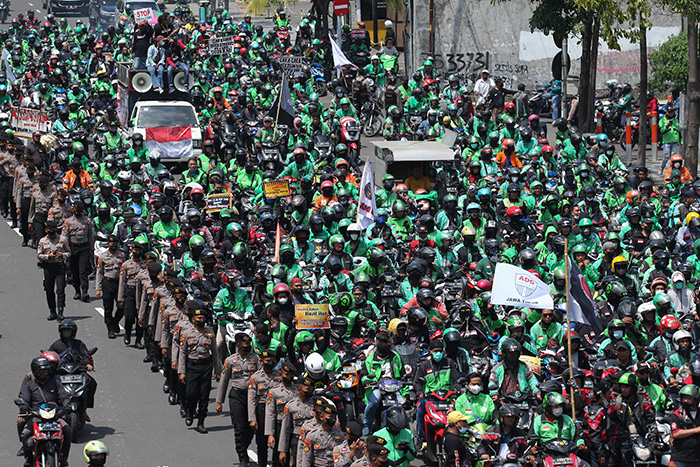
141 82
180 84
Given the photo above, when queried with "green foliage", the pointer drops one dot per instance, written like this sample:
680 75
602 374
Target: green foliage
669 64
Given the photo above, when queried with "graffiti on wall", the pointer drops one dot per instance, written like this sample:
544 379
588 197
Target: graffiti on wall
618 61
510 68
459 63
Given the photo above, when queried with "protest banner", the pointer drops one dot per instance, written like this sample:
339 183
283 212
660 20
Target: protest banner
312 316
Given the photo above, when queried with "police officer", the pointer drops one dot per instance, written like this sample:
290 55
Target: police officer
127 289
196 362
143 282
170 313
277 398
148 286
53 252
320 443
109 265
238 368
258 387
77 231
24 185
296 413
39 205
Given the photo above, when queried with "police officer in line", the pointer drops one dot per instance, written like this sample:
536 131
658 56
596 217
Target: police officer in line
170 313
41 201
296 413
238 368
148 285
277 398
183 325
126 298
258 388
53 252
77 231
196 362
320 443
109 265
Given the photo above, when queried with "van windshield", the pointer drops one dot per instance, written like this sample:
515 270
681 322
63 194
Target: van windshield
166 116
140 5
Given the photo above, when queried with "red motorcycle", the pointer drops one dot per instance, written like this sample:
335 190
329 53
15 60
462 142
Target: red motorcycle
47 434
437 404
349 134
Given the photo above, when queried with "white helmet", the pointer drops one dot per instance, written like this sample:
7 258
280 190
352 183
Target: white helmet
374 57
315 365
388 24
354 227
612 83
681 334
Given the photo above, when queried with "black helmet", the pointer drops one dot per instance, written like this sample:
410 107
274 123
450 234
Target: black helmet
510 345
509 410
425 293
41 367
395 419
417 316
208 254
452 336
626 309
68 324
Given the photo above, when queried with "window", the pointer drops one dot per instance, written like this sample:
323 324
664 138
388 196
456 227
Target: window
166 116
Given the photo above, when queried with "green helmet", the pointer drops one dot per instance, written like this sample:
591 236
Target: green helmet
362 278
141 240
510 345
690 390
629 379
316 42
340 147
515 322
552 399
77 146
285 248
661 299
233 227
344 300
304 337
241 249
559 274
616 324
279 271
94 448
449 199
197 241
580 249
696 245
337 238
398 206
585 222
313 97
388 177
344 101
613 236
344 222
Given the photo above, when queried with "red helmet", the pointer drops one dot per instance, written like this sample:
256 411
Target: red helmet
510 105
51 356
631 196
197 190
513 210
232 276
483 285
547 148
534 273
216 89
670 322
676 158
279 288
533 117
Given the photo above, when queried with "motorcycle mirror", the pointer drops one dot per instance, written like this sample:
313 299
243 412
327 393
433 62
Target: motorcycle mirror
19 402
92 351
674 371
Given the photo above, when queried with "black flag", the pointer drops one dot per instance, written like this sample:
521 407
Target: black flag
284 104
581 307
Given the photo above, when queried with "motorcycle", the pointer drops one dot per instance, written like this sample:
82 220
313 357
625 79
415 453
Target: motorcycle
559 452
437 404
270 158
47 438
318 74
74 378
538 103
322 144
371 118
350 136
524 401
348 385
4 10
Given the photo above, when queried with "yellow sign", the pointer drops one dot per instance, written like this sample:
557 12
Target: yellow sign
276 189
533 363
312 316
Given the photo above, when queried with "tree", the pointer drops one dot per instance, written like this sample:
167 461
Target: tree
669 64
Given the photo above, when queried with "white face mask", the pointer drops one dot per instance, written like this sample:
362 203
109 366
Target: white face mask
475 388
354 237
282 300
617 334
558 411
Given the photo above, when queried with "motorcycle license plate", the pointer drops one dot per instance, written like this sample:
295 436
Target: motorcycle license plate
452 189
562 461
349 369
442 407
71 379
46 427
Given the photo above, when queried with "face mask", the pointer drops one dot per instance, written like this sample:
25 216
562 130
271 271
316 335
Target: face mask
66 334
51 233
331 421
287 380
384 463
558 411
383 349
269 365
678 285
99 462
475 388
437 356
463 429
618 334
689 407
683 348
199 324
669 335
335 270
511 359
246 348
354 237
282 300
676 165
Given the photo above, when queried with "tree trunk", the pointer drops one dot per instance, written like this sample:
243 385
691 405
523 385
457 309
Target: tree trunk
691 143
585 86
643 80
586 105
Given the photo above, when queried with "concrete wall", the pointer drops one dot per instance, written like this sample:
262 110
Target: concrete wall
471 35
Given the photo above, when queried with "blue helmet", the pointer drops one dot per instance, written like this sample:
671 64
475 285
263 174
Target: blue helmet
474 206
601 138
483 192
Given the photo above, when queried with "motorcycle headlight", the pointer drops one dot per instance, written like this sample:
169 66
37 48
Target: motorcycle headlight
642 452
47 414
345 383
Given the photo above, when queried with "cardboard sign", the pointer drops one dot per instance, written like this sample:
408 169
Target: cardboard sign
144 14
123 104
312 317
276 189
218 201
292 66
533 363
221 45
24 119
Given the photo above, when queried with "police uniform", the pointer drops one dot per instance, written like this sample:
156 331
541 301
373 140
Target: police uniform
143 284
277 398
182 325
238 370
148 286
39 205
320 444
24 185
107 283
8 164
78 233
258 387
127 294
197 361
296 412
171 313
53 253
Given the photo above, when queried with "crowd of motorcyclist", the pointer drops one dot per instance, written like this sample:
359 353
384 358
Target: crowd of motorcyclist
211 293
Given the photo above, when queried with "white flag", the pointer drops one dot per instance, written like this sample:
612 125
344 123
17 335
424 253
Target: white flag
367 207
339 58
517 287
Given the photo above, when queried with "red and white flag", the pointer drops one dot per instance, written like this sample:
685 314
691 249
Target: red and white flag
172 142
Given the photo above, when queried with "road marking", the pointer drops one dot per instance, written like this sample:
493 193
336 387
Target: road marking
16 229
252 455
101 311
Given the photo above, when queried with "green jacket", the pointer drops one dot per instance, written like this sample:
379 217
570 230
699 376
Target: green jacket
397 457
478 408
547 430
225 303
